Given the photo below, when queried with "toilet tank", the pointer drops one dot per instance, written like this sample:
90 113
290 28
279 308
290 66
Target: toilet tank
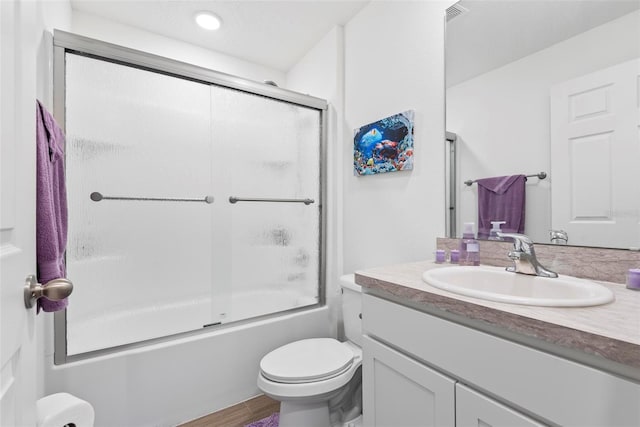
352 309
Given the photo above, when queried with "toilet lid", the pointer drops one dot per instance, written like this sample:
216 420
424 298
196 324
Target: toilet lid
307 361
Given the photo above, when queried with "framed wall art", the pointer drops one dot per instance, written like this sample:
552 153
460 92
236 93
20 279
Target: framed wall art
384 146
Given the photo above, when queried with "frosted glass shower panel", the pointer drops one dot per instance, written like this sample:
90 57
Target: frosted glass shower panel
271 151
272 148
139 266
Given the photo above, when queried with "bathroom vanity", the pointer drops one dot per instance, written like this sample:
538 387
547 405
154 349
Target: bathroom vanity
436 358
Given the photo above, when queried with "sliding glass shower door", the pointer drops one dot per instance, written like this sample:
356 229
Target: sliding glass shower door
190 204
267 164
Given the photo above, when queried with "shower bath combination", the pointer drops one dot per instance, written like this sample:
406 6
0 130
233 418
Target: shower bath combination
195 213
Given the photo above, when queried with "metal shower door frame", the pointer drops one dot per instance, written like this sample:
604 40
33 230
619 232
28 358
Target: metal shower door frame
65 42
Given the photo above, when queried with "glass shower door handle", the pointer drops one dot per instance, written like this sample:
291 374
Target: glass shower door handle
54 290
233 199
97 196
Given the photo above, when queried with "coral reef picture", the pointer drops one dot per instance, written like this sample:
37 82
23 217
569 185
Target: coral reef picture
384 146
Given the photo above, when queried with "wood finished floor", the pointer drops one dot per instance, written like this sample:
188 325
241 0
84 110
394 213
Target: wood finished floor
238 415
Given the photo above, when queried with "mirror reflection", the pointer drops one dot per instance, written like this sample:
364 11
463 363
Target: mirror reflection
545 87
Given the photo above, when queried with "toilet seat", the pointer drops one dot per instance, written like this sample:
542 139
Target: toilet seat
307 361
311 391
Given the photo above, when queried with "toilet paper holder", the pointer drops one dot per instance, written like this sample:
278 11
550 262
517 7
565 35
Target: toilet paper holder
53 290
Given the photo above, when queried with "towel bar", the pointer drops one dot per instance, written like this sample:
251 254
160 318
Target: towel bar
541 175
233 199
96 197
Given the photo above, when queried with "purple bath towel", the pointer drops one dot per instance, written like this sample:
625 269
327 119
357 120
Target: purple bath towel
51 204
272 420
501 198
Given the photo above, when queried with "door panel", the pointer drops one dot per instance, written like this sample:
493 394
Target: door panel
398 391
142 268
266 149
595 147
17 220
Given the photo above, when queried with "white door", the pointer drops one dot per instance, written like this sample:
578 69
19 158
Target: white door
595 151
17 212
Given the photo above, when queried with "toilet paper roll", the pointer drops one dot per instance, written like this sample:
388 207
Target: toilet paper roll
60 409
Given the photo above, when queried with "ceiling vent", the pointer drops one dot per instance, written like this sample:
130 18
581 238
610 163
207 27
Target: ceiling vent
455 11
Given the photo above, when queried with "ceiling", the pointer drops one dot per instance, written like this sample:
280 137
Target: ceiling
272 33
494 33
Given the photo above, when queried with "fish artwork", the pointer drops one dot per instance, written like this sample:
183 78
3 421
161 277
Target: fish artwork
386 150
368 141
385 145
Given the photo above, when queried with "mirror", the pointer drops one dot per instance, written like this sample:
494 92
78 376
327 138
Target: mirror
522 77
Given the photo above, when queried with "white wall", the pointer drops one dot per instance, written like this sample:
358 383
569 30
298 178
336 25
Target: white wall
124 35
320 73
502 117
394 61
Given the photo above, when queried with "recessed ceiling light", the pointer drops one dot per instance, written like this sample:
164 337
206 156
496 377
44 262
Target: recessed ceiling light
208 20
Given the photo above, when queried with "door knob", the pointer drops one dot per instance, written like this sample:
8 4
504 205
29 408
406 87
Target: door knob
53 290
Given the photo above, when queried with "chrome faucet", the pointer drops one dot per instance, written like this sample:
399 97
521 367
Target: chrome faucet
524 257
558 237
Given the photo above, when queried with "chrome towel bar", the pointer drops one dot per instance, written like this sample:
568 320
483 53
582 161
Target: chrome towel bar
541 175
233 199
96 197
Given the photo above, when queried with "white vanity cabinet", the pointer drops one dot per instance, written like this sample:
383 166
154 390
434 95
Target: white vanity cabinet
400 392
420 369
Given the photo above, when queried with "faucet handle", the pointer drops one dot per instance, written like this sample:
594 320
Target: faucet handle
558 236
520 241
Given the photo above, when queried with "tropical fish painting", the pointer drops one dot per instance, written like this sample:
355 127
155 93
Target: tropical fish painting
384 146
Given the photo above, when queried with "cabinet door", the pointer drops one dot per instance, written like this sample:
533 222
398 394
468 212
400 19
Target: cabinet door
475 409
401 392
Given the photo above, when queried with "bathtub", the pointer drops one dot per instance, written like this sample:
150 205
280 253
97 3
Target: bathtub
176 380
90 331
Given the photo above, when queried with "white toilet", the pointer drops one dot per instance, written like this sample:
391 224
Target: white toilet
318 380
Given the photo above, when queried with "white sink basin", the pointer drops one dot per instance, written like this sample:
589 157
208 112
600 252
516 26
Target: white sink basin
497 284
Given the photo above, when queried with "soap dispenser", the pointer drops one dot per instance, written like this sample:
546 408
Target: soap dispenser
495 229
469 246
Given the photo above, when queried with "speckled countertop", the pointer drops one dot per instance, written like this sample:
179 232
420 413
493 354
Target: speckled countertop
610 331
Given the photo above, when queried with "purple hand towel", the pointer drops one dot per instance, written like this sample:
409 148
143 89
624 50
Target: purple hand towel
501 198
51 204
